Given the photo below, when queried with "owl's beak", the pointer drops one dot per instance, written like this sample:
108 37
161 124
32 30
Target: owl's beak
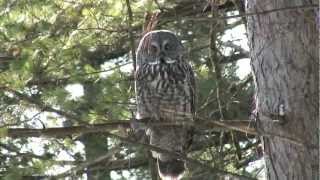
162 57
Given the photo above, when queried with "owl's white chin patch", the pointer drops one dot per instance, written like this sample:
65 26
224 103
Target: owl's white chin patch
153 63
170 61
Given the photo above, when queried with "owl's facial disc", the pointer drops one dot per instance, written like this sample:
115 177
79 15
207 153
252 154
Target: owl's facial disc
160 55
162 51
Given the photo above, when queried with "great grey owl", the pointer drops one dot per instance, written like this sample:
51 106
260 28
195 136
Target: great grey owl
165 92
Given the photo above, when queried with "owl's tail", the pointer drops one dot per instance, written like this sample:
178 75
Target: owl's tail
171 170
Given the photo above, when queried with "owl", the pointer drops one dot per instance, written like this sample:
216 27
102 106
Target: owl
165 92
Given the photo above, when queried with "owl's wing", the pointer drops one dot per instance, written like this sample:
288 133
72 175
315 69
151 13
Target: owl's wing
141 88
192 87
140 74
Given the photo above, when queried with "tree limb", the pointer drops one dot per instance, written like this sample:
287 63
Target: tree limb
60 132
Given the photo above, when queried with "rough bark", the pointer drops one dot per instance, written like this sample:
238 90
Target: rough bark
285 59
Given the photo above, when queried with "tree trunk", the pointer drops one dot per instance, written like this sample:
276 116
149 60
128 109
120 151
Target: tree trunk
285 59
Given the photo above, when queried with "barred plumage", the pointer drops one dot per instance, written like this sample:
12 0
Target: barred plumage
165 92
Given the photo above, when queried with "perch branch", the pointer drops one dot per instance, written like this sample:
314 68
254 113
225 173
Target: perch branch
60 132
244 126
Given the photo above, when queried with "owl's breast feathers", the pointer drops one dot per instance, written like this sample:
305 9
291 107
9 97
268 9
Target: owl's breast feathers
165 92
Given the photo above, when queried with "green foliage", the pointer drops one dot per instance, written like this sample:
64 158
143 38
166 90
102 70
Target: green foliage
3 132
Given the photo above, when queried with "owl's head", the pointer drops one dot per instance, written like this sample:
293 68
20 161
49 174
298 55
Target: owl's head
158 47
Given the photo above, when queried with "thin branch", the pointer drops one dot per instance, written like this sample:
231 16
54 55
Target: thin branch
244 126
302 7
6 58
123 164
25 154
41 105
99 29
234 57
30 155
215 66
64 80
61 132
159 6
85 165
234 89
16 123
131 37
214 59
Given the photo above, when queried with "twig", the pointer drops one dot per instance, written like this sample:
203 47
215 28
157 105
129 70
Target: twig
214 59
